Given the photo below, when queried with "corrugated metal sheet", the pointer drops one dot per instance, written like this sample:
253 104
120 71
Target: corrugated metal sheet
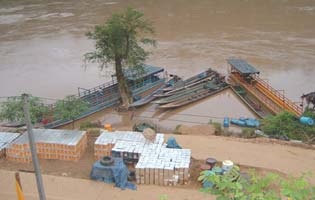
6 138
134 74
242 66
67 137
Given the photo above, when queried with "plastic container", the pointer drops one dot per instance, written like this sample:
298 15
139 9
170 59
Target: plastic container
226 122
108 127
227 165
238 122
307 121
211 162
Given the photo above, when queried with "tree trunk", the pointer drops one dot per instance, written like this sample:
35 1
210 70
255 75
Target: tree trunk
124 91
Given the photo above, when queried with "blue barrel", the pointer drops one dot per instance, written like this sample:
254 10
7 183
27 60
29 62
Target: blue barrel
251 122
237 122
226 122
307 121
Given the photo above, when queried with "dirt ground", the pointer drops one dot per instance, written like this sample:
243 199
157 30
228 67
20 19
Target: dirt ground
199 144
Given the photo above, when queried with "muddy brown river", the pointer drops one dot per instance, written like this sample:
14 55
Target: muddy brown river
42 43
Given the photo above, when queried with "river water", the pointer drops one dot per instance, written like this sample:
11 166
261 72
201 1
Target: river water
42 43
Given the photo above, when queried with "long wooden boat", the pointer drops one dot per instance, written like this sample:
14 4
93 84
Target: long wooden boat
195 97
197 89
147 99
190 80
251 102
186 87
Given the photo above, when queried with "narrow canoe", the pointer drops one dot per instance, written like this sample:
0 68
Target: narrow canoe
195 97
190 80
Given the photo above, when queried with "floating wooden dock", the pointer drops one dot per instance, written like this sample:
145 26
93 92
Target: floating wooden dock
246 76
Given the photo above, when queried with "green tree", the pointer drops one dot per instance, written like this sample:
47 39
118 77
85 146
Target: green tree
12 109
120 41
70 108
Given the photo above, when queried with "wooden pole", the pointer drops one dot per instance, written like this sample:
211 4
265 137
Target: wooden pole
39 180
18 179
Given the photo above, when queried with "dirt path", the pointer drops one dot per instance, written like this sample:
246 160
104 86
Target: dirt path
282 158
62 188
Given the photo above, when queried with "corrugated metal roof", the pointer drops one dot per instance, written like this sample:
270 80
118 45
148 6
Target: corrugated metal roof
242 66
67 137
6 138
134 74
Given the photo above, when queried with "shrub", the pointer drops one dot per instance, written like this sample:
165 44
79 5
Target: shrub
217 128
176 131
87 124
95 132
288 125
248 133
256 187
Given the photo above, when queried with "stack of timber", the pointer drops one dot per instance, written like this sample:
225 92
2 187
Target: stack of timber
156 164
50 144
5 140
211 84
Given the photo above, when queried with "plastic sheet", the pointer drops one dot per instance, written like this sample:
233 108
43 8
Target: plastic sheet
171 143
116 173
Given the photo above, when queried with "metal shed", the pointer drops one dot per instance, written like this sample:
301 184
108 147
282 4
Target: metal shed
242 66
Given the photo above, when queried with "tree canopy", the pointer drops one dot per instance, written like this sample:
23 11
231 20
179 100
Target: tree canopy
12 109
70 108
120 41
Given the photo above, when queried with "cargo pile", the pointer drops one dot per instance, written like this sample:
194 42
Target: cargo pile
50 144
5 140
156 164
106 141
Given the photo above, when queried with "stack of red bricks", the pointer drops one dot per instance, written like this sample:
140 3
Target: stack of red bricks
5 140
50 144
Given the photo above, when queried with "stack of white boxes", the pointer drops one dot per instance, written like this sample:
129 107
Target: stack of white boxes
107 140
156 165
167 167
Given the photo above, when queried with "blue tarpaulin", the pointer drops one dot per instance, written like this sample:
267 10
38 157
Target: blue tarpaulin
171 143
116 173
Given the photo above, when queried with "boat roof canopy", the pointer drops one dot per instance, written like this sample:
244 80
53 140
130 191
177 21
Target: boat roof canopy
136 73
242 66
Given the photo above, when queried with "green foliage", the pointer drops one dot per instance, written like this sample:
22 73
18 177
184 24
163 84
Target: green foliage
248 133
163 197
94 132
286 124
120 41
87 124
217 126
176 131
70 108
141 126
119 37
12 109
227 187
297 188
309 113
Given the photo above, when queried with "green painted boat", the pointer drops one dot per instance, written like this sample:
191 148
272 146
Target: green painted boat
188 92
195 97
190 80
187 87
